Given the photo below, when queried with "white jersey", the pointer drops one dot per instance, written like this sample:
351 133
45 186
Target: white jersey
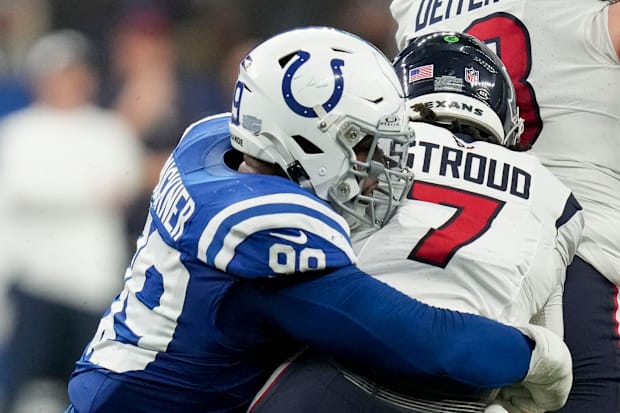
485 230
567 78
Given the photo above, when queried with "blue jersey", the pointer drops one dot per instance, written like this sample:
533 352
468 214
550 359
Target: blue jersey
232 272
205 216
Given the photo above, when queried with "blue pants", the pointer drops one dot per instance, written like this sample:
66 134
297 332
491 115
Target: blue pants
591 333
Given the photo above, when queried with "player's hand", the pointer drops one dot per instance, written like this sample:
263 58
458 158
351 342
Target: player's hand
502 406
513 399
496 407
549 378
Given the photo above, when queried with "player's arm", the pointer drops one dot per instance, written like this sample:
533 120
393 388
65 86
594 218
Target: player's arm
351 315
356 317
551 315
569 227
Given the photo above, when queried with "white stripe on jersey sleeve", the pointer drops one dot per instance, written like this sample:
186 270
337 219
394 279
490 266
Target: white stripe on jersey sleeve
304 222
206 238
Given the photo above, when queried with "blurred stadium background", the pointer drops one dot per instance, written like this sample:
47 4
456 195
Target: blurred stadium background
160 65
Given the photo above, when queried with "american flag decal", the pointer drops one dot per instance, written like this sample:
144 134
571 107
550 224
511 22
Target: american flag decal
421 72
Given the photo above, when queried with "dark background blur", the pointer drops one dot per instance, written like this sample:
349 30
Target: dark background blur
156 67
208 36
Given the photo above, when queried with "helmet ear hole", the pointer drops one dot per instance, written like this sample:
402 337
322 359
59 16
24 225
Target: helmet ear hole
283 61
305 145
233 159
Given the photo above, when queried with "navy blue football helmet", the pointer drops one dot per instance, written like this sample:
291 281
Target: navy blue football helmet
455 80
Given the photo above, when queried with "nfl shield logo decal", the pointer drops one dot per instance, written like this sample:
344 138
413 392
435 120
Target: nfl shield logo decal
472 75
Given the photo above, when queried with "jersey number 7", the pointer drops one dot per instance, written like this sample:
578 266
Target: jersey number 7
472 217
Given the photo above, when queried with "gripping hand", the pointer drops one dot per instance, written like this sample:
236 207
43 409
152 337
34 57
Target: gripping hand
549 378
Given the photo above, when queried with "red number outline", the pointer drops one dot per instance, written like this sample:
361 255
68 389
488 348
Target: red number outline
473 216
514 48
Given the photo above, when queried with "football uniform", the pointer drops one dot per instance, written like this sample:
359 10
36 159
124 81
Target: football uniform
220 285
566 74
158 328
564 69
485 230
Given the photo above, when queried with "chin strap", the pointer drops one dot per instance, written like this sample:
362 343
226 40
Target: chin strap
297 174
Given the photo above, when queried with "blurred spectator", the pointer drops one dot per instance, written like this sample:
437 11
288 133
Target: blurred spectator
20 24
228 68
146 84
166 63
14 94
370 19
67 170
143 68
159 146
156 95
218 27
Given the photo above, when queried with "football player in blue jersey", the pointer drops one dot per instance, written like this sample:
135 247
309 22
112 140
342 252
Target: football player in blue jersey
235 271
452 243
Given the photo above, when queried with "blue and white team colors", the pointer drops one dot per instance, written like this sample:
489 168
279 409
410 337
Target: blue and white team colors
161 327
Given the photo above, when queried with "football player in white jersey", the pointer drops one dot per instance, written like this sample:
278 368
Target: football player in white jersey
235 270
485 230
564 60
